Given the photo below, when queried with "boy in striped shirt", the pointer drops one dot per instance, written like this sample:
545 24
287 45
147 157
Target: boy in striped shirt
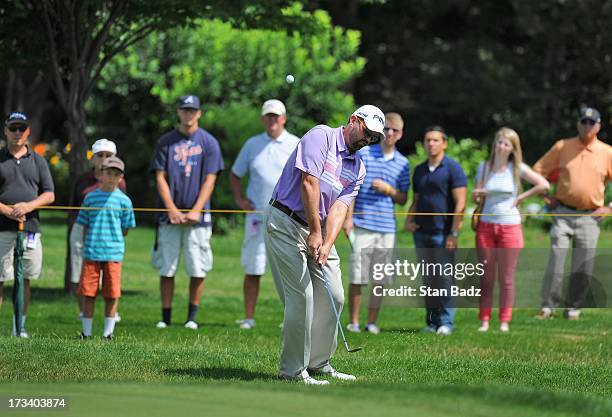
372 225
106 216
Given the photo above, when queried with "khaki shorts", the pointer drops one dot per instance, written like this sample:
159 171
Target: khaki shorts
253 254
195 242
111 279
32 256
76 253
365 239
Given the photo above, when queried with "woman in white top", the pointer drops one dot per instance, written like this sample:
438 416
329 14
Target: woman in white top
499 236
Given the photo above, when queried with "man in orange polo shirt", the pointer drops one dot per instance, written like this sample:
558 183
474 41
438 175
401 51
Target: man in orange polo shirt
584 165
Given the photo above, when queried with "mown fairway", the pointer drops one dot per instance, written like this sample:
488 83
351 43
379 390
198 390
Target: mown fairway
553 368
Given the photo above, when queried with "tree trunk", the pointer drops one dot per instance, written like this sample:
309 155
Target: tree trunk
78 166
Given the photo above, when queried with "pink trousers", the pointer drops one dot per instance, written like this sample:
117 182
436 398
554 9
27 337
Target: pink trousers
499 246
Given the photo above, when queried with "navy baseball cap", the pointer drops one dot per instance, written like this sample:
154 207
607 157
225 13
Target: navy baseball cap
16 118
189 102
591 114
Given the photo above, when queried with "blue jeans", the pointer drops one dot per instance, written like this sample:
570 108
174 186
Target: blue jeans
440 310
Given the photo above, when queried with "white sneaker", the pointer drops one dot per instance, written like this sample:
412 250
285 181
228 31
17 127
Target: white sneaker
191 325
504 327
117 317
353 328
484 326
332 373
573 313
246 324
304 378
372 328
161 324
24 334
545 314
311 381
444 330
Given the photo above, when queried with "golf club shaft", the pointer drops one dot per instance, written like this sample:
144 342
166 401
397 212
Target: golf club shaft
331 300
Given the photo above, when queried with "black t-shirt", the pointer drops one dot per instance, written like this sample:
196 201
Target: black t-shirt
23 180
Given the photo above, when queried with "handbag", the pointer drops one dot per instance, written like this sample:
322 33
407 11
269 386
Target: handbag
481 202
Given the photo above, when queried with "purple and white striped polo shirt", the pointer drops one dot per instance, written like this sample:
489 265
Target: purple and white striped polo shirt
321 153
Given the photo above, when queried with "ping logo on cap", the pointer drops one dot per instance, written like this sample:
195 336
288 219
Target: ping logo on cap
189 100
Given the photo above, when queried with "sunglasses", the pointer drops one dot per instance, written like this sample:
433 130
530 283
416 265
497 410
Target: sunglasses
392 129
17 128
370 137
588 122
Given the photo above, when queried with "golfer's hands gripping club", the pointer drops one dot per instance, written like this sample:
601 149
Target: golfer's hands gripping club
317 248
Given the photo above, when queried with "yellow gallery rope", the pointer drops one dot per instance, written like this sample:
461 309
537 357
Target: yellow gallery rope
405 213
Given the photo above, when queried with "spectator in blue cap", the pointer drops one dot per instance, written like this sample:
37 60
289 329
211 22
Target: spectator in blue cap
186 163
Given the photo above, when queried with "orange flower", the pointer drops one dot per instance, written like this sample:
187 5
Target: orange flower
68 148
41 149
89 154
54 160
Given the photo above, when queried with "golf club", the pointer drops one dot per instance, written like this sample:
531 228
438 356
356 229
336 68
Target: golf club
331 301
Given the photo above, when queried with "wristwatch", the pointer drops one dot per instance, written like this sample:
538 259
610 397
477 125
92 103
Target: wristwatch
454 234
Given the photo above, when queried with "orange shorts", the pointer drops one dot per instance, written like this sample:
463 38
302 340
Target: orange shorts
90 279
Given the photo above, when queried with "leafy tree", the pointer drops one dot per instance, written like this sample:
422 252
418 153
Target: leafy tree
80 37
233 71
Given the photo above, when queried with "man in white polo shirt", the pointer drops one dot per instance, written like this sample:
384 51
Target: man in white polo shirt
263 158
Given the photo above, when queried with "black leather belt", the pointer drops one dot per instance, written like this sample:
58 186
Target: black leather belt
573 208
568 206
276 204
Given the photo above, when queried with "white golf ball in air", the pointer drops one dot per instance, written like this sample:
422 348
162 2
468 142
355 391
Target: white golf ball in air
290 79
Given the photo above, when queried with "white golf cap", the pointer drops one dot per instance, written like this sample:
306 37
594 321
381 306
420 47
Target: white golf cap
373 118
273 106
104 145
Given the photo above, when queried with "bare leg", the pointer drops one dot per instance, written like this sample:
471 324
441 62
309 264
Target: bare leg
110 307
354 302
166 286
251 291
89 304
196 288
374 307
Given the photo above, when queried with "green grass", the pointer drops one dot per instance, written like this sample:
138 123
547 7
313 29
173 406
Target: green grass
553 368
